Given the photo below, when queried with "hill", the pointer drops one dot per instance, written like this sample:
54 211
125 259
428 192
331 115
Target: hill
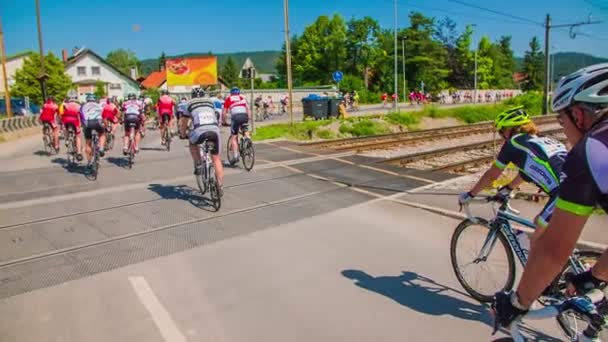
568 62
264 61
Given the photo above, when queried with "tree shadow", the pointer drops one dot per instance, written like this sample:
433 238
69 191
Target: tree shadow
120 162
184 193
152 149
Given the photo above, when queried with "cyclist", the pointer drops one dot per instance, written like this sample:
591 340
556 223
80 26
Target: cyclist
581 99
284 103
48 115
71 117
240 114
145 112
164 108
268 105
132 115
355 100
539 160
218 104
205 127
110 115
181 107
258 104
91 117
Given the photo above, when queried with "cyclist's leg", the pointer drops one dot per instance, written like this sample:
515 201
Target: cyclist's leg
125 139
216 157
235 124
77 130
542 220
55 129
101 133
88 135
138 134
195 138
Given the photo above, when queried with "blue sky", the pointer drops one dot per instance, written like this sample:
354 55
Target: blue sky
180 26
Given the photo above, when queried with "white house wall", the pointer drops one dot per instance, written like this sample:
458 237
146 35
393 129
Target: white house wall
107 75
11 67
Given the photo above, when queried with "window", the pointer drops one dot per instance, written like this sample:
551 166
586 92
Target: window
115 86
81 71
95 71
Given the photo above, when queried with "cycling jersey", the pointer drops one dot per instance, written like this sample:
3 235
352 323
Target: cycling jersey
584 177
71 116
90 111
182 106
202 112
539 159
109 111
49 110
132 107
165 105
236 104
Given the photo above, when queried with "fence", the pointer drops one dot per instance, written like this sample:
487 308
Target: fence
18 123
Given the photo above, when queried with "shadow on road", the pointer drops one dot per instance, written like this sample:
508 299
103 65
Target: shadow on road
184 193
72 168
120 162
152 149
420 294
41 153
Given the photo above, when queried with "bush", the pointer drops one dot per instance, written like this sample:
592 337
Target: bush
404 118
364 128
325 134
299 131
532 102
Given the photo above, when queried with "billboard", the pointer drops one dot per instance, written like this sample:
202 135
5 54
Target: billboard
191 71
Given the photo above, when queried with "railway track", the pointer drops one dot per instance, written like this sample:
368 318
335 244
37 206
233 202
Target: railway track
408 138
470 155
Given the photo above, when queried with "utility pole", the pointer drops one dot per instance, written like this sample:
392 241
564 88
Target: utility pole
547 66
7 94
396 92
288 59
42 76
475 71
403 65
548 27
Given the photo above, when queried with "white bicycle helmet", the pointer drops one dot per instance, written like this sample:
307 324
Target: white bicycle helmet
589 85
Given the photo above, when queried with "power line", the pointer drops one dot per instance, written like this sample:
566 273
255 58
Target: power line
496 12
428 8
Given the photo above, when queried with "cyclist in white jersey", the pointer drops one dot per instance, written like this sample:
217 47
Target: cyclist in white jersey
90 115
205 127
240 114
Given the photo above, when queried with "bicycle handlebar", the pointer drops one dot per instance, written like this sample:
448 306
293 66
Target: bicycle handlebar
498 198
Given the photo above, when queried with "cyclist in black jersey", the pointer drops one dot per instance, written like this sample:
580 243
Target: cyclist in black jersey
538 159
581 99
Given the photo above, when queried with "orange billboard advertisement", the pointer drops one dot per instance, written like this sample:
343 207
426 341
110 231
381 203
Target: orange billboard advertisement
191 71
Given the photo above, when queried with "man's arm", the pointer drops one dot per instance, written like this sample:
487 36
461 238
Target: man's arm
183 125
550 253
486 180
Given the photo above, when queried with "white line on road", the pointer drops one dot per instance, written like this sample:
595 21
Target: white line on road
161 317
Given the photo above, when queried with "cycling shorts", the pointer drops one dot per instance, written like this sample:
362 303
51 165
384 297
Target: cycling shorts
238 122
165 117
131 121
49 121
92 125
71 121
199 134
545 214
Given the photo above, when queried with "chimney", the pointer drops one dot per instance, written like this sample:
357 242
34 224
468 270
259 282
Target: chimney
134 73
64 54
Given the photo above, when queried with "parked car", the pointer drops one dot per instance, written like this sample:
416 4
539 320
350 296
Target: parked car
20 107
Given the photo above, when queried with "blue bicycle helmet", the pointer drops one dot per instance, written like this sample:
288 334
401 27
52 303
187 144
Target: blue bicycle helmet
235 91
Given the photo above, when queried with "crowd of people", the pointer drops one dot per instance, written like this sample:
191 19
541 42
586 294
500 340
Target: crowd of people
199 119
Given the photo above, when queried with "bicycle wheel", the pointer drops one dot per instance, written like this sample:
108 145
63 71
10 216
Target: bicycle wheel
231 160
47 142
493 272
247 153
214 191
200 181
110 141
569 322
167 137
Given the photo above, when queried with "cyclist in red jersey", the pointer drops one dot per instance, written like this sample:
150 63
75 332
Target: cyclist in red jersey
48 115
164 108
71 117
110 115
240 115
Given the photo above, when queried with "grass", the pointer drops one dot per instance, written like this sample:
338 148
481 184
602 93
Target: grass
381 123
299 131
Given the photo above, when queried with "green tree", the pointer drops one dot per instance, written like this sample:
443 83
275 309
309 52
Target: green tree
230 72
161 61
123 60
485 63
533 66
425 58
462 64
361 45
100 89
506 60
26 78
153 93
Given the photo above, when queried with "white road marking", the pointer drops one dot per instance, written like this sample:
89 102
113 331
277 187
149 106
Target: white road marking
161 317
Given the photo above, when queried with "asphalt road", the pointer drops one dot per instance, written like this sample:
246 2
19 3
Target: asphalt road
309 246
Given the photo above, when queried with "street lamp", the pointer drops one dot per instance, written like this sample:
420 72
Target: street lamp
475 72
288 59
403 64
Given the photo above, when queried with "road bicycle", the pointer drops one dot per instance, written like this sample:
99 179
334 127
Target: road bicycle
47 139
246 150
70 144
205 177
94 166
167 132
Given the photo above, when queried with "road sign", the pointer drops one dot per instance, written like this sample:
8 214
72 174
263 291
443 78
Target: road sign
338 76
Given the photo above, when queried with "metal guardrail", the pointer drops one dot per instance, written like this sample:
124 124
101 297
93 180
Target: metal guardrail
18 123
